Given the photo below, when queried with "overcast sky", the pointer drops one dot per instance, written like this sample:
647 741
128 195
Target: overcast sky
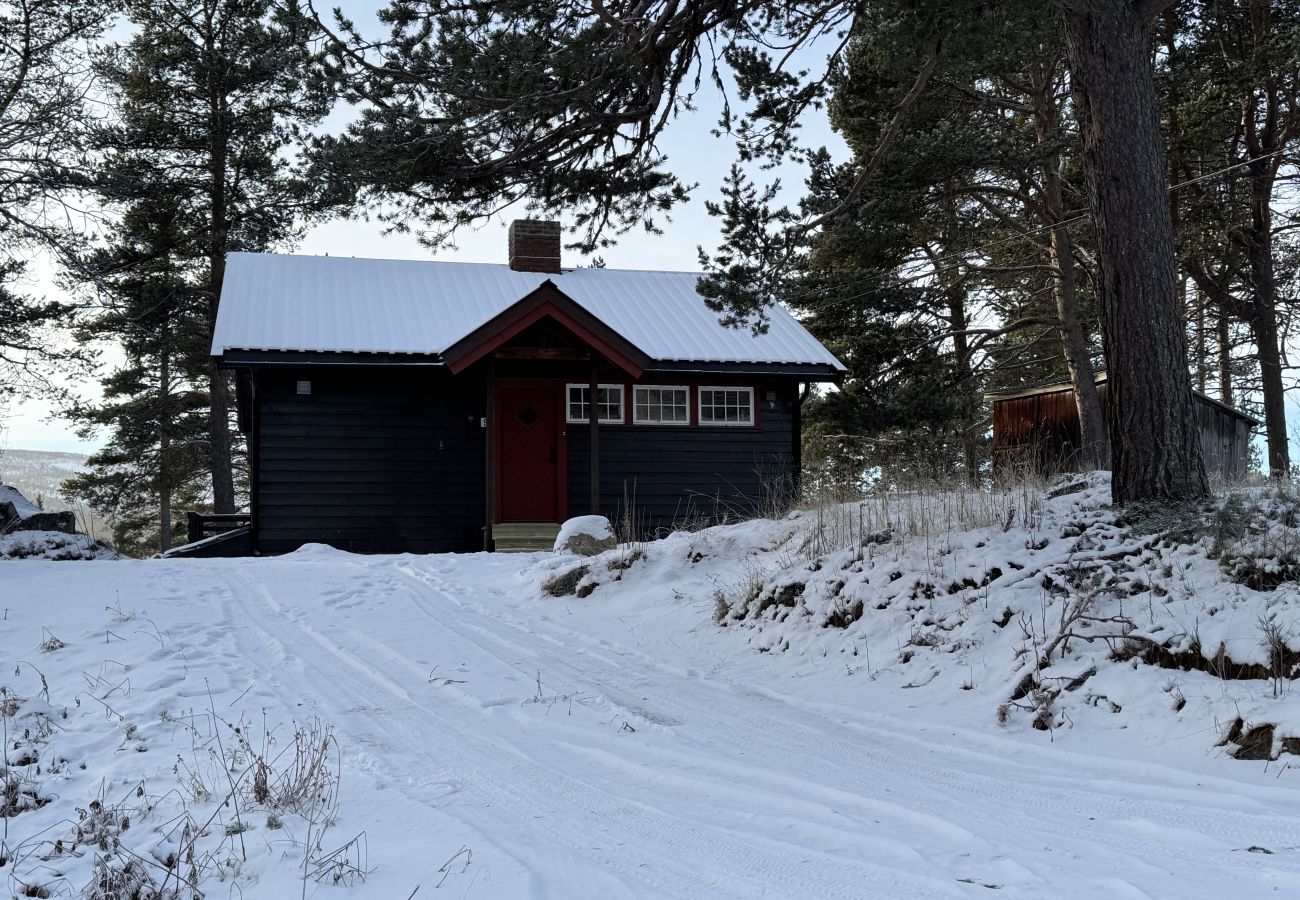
695 155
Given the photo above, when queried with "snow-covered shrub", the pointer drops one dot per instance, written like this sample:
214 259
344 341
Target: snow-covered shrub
923 509
118 878
1257 540
721 606
51 642
1275 639
569 582
750 594
19 792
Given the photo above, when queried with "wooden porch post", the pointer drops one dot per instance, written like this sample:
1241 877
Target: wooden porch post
593 422
801 392
489 444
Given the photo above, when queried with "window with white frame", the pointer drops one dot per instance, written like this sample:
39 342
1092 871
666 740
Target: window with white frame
655 404
610 404
726 406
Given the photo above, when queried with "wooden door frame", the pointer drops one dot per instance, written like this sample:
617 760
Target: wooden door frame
561 443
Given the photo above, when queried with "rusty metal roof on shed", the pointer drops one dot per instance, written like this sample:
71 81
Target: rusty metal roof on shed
281 302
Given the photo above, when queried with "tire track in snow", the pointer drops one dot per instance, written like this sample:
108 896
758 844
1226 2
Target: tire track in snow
926 829
621 683
1164 828
670 856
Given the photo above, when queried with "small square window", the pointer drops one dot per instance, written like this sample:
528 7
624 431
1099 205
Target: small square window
611 404
304 387
661 405
726 406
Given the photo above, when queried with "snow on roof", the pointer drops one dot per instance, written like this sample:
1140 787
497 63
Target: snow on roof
341 304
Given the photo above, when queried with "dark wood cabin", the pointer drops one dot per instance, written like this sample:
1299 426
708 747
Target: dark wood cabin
1039 426
395 405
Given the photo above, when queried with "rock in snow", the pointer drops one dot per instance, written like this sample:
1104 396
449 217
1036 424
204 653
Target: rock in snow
13 505
585 536
17 513
29 532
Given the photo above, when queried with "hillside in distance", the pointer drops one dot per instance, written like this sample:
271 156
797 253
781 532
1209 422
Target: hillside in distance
40 474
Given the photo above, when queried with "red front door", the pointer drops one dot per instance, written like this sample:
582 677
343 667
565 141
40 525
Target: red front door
528 479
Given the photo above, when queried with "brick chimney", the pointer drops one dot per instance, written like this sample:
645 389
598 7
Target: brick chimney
534 246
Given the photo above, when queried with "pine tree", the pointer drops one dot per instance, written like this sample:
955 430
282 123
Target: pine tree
1232 108
962 234
1155 442
155 404
44 119
212 99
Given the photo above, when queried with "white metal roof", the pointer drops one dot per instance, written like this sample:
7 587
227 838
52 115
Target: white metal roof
341 304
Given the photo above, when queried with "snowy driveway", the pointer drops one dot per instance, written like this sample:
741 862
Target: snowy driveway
587 749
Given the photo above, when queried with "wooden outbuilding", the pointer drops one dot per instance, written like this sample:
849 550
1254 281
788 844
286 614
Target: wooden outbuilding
395 405
1038 427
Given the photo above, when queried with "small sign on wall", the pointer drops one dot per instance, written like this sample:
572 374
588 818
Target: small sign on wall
304 387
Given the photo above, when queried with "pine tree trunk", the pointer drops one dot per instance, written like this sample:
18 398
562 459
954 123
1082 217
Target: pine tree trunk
164 448
961 354
1225 357
1263 326
958 323
1092 423
1155 444
1263 318
1202 343
1074 341
223 479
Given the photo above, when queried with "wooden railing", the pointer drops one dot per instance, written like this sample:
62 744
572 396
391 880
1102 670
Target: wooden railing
204 526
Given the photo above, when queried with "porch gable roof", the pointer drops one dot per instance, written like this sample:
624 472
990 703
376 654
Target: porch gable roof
547 301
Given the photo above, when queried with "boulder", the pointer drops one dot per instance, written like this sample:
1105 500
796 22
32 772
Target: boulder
17 513
64 521
585 536
14 506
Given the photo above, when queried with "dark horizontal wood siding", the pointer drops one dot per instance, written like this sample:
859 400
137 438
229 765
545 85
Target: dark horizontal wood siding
372 460
658 476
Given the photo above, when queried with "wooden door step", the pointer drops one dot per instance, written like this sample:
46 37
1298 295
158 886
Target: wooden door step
524 537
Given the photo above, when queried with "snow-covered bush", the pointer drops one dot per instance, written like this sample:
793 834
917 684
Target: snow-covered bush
1257 539
924 510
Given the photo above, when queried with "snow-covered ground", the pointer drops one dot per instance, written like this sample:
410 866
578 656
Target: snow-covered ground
464 733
